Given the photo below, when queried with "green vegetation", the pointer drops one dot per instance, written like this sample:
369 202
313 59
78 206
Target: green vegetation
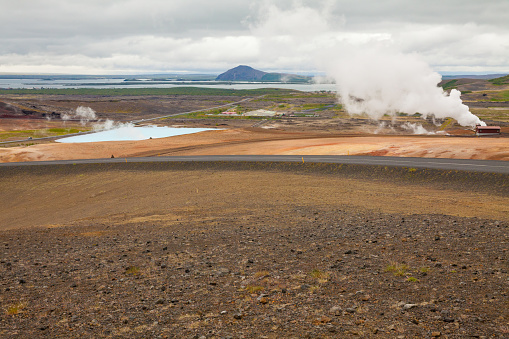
213 114
446 123
32 133
496 114
318 107
132 270
450 84
254 289
500 81
63 131
15 308
397 269
501 96
17 134
322 277
296 94
424 269
151 91
412 279
261 274
317 274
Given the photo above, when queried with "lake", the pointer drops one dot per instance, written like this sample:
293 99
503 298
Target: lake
118 83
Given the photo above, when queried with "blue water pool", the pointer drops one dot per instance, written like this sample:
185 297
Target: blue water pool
127 133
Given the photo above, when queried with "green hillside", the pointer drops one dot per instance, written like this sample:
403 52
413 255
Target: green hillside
500 81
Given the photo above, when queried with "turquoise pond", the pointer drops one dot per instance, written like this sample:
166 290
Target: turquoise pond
130 133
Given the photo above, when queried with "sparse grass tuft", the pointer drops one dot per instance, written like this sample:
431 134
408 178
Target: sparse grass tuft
397 269
321 276
15 308
254 289
314 289
261 274
424 269
412 279
132 270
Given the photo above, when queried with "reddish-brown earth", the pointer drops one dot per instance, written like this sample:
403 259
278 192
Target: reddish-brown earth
259 141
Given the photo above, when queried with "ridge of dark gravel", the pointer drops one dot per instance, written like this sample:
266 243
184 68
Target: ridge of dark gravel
483 182
299 272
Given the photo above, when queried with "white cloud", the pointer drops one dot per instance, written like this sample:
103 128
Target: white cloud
158 35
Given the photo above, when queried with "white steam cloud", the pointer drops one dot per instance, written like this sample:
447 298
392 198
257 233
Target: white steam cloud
84 114
416 128
377 81
87 114
109 124
372 77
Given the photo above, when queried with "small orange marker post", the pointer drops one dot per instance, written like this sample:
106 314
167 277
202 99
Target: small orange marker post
302 159
126 160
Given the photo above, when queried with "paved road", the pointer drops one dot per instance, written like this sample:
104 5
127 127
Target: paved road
490 166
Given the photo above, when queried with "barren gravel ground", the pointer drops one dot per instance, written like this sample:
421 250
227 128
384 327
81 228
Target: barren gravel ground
252 251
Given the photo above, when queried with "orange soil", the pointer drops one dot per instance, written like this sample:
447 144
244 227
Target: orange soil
257 141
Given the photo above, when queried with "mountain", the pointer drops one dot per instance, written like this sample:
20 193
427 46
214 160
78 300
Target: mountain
247 73
241 73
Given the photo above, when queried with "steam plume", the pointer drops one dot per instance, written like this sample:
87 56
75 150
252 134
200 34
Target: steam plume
87 114
377 81
84 114
371 78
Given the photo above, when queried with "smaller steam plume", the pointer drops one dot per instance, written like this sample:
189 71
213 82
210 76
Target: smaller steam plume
87 114
418 129
380 82
83 114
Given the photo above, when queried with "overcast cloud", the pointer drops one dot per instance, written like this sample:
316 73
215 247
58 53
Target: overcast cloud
114 36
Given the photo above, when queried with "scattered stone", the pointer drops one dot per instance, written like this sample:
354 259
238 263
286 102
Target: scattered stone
222 271
286 302
263 300
335 310
305 287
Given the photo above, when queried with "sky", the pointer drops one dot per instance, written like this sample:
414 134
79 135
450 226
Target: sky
204 36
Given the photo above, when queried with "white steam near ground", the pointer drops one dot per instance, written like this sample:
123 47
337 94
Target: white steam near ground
87 114
372 77
378 82
83 114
